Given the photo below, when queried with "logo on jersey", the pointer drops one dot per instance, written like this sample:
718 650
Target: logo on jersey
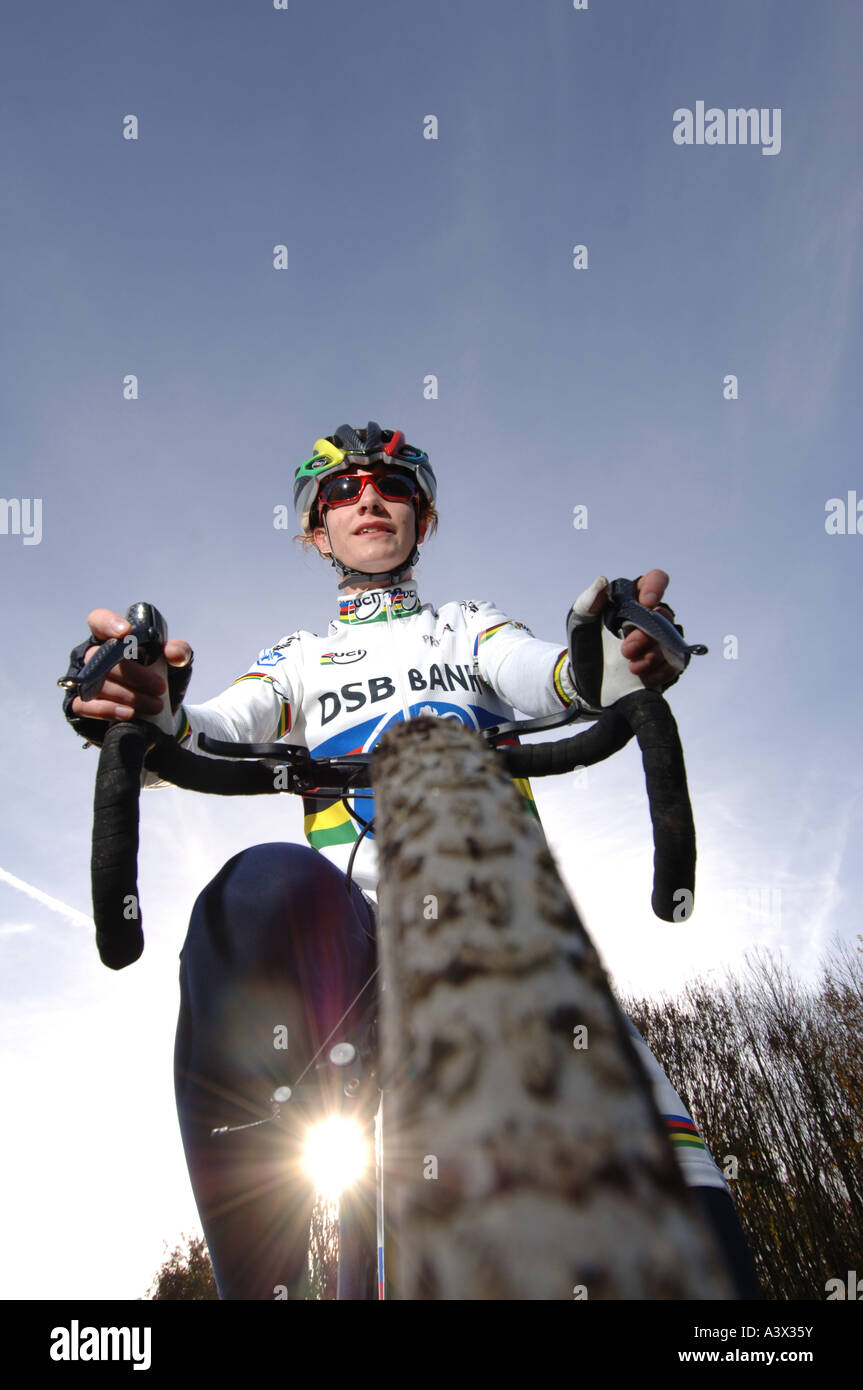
269 657
436 641
370 607
341 658
441 713
353 696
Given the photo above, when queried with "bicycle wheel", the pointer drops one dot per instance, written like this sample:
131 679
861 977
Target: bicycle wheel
524 1157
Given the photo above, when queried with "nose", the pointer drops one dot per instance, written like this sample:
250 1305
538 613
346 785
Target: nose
370 498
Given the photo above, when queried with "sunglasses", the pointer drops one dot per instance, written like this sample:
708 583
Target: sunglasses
347 488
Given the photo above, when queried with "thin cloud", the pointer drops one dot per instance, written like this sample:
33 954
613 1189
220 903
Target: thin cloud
80 919
812 329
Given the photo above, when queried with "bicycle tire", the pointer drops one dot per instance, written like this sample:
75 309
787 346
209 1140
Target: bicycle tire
517 1165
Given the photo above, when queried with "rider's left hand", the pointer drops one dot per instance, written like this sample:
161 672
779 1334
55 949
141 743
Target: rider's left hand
644 653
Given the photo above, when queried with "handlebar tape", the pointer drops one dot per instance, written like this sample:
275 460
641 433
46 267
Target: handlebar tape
608 735
114 860
670 809
113 865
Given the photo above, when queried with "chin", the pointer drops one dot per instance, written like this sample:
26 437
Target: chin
384 566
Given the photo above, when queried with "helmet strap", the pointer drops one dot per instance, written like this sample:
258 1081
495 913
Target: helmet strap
349 576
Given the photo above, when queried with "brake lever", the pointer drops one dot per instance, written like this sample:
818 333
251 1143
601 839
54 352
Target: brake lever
147 638
623 612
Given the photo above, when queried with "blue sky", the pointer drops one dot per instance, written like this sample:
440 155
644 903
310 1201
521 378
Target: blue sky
556 387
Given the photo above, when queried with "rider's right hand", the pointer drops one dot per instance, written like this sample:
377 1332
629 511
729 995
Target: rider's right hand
130 689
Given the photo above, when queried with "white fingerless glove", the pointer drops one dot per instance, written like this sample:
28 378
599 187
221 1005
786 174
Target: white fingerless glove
599 670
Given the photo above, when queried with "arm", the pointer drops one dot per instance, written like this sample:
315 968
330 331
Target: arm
255 708
529 674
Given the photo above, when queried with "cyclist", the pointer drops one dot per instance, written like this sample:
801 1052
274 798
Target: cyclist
281 939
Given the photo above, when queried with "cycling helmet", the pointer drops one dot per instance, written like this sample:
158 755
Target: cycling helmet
357 448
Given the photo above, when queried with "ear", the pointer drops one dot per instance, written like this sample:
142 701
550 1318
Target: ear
421 532
319 536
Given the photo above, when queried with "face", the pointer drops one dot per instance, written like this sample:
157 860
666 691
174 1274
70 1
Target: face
371 534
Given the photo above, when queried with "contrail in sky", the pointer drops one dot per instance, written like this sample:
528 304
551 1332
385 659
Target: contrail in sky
70 913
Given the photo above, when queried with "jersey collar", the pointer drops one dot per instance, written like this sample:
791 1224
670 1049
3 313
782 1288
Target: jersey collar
371 606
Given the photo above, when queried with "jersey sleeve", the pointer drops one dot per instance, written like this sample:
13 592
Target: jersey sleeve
529 674
256 708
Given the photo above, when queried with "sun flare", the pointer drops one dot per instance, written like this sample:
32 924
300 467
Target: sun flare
336 1155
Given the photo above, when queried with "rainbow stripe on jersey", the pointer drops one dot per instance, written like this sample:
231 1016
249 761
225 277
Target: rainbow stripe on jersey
682 1132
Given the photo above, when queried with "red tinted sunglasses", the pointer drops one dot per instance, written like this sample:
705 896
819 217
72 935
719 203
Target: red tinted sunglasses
347 488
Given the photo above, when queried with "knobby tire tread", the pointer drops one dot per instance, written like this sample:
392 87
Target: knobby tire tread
518 1164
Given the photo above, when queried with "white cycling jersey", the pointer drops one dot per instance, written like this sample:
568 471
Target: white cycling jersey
385 658
389 657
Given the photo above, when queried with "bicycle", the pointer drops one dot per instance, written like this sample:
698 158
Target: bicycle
552 1173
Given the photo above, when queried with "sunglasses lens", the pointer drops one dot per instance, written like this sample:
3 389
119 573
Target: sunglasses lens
338 490
395 487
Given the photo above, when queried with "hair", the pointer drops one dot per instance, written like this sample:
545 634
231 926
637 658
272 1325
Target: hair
428 514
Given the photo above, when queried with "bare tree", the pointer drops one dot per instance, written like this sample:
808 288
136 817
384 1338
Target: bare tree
772 1072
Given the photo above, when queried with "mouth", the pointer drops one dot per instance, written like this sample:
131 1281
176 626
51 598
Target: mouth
378 529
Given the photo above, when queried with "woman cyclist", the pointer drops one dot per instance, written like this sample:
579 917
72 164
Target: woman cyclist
281 942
